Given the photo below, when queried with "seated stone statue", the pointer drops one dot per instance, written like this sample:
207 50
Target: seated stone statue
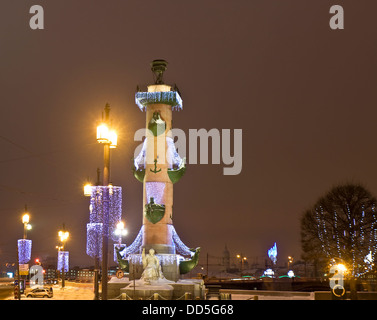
152 268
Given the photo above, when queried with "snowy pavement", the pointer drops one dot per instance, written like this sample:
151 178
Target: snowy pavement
71 291
84 291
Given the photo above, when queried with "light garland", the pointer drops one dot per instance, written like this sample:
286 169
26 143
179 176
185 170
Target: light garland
180 247
143 99
165 259
98 204
115 210
63 260
139 161
172 157
135 246
337 226
97 208
155 190
24 250
94 240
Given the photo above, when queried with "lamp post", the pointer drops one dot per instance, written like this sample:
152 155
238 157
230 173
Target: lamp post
290 260
63 236
108 138
243 258
27 226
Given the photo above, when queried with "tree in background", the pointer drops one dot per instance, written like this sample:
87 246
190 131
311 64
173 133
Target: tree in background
342 227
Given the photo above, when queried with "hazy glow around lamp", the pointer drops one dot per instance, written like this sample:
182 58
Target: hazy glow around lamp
103 133
88 190
25 218
113 138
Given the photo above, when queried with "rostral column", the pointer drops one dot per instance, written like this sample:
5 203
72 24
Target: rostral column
158 166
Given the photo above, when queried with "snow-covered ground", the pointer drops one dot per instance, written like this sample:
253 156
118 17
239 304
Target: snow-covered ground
84 291
71 291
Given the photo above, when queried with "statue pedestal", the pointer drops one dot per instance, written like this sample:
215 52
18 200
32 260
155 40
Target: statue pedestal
114 286
193 286
166 290
169 266
142 291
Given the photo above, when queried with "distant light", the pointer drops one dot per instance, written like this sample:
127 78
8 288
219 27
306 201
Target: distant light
10 274
291 274
28 227
269 273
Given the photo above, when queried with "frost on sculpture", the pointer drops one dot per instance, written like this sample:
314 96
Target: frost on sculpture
158 166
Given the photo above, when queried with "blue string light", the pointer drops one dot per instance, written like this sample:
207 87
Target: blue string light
24 250
96 216
63 260
94 240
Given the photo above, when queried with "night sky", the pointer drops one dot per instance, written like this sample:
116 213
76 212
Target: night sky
303 94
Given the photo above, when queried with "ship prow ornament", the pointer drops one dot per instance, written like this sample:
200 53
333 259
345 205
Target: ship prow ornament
154 212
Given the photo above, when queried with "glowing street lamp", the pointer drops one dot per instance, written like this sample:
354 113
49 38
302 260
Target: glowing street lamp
25 221
120 231
107 136
102 133
88 190
290 260
243 259
25 218
341 267
63 235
